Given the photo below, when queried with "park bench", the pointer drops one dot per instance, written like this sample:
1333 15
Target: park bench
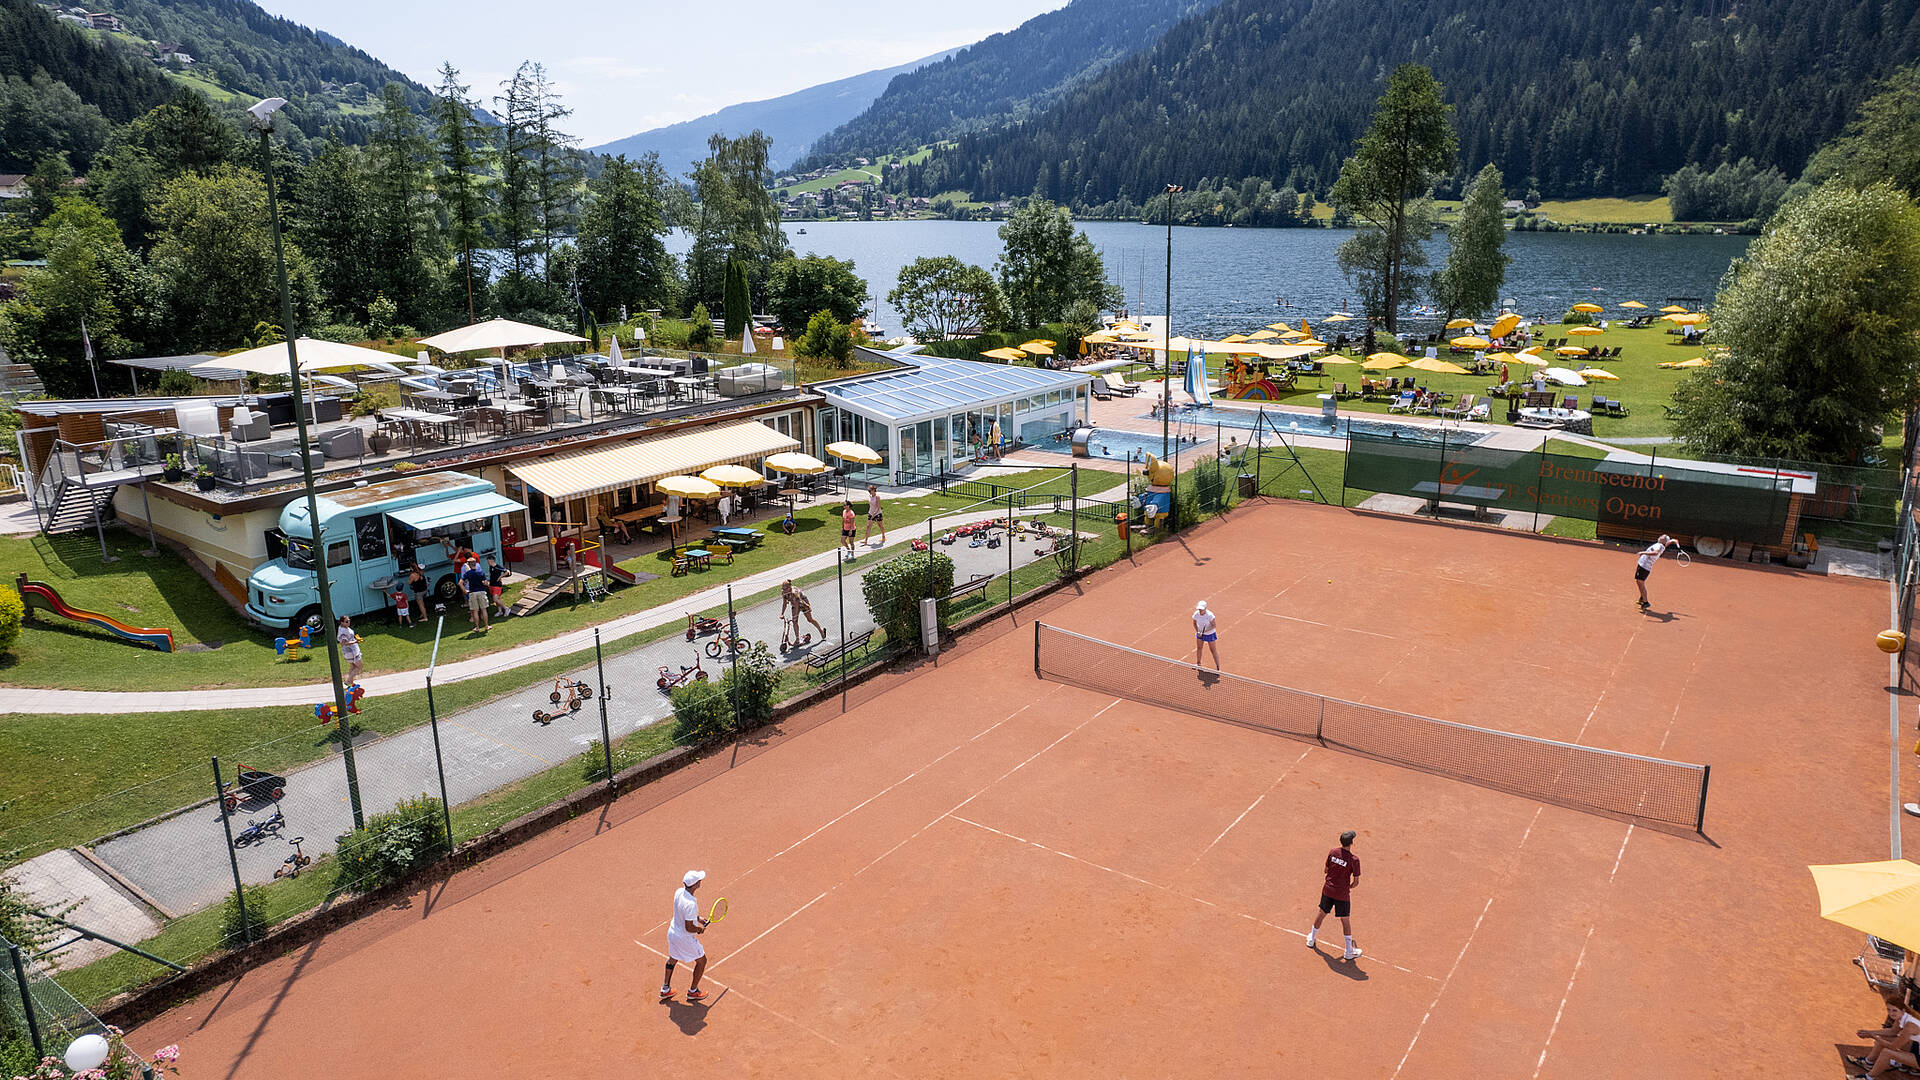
977 584
861 641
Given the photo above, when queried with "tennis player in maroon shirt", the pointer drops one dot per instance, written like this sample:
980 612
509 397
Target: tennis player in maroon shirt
1336 895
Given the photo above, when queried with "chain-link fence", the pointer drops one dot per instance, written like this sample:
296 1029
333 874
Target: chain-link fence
38 1017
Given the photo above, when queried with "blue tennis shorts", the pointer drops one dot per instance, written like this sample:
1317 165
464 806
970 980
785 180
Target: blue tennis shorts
1208 637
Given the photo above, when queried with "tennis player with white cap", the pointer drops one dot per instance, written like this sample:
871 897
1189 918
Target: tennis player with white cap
1206 636
682 944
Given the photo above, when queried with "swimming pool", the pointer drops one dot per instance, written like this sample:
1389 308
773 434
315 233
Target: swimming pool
1292 423
1114 443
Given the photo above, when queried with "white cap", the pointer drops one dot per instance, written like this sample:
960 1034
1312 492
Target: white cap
693 877
1201 606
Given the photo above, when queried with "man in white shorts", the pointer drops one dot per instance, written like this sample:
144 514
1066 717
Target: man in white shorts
1645 566
682 942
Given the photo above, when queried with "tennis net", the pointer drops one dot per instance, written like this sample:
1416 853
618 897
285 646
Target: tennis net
1642 789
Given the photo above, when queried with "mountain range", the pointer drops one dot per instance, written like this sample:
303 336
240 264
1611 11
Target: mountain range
793 120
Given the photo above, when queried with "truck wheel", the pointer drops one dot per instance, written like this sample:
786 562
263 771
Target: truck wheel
302 617
447 591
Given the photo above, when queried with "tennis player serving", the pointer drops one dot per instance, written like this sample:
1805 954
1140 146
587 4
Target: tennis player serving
1645 566
683 942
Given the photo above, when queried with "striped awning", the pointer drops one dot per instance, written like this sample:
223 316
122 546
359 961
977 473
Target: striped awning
644 460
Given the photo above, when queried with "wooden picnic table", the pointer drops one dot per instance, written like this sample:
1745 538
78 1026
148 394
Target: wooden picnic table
735 536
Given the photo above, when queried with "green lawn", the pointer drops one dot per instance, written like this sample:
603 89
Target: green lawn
1632 210
215 647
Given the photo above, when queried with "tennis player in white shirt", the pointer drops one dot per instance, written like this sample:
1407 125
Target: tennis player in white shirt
682 942
1206 635
1645 567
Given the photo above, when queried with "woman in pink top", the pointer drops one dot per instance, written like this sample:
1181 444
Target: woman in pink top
846 527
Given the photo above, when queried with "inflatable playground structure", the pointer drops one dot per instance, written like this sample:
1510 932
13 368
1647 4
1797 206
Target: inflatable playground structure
39 594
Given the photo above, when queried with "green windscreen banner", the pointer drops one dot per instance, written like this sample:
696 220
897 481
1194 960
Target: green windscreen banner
1661 496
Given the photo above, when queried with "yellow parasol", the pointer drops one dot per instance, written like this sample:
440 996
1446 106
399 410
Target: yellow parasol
1338 318
1008 355
795 462
1591 309
1279 326
1293 335
1504 325
733 476
1264 335
1038 348
1698 361
853 451
1435 364
1878 898
1469 343
1694 318
1099 337
1571 350
1310 343
1591 373
1384 361
1634 304
1460 324
688 487
1672 309
1584 331
1235 339
1518 358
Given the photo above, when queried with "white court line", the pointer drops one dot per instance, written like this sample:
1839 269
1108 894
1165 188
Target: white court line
1612 674
1256 802
770 1010
1330 626
1464 947
1618 857
916 833
1169 891
957 747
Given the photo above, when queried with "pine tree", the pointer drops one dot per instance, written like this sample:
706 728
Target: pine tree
403 236
463 183
738 301
518 215
623 253
558 174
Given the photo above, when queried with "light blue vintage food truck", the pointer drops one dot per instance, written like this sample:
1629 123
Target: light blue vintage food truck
373 535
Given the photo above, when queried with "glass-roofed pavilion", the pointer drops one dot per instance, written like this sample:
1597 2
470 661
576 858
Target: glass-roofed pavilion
936 414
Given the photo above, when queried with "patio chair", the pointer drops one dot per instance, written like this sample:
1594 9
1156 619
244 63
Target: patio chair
1570 402
348 442
1616 407
1480 411
1340 391
1403 403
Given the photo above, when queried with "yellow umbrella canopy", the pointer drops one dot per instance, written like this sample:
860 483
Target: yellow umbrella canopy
1503 326
1584 331
1235 339
733 476
1279 326
1099 337
1124 324
1517 358
1634 304
1694 318
793 461
853 451
1008 355
1332 358
1698 361
1672 309
1571 350
1293 335
1384 361
1435 364
1338 318
1591 309
1264 335
1311 343
1878 898
1460 324
1469 342
688 487
1591 373
1038 348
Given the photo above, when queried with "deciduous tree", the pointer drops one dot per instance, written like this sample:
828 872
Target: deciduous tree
1476 264
1409 145
938 296
1047 265
623 252
799 287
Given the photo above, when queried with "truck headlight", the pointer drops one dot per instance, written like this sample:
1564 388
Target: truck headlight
276 599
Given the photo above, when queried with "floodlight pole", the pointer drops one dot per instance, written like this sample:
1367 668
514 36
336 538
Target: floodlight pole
1166 334
263 119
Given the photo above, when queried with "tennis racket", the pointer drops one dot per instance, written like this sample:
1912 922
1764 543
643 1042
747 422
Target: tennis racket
718 912
1680 553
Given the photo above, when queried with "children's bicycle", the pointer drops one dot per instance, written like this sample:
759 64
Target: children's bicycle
576 694
670 679
296 862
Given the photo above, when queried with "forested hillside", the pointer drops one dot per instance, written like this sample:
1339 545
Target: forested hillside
1005 76
1567 100
54 72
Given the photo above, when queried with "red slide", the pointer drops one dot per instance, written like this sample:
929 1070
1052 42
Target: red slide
40 594
624 577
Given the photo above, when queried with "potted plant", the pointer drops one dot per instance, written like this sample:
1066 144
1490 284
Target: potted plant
174 470
379 442
203 478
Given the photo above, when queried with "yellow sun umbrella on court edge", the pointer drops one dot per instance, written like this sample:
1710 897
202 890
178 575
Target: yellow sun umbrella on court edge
1878 898
853 451
688 487
1459 324
1584 331
1469 343
1384 361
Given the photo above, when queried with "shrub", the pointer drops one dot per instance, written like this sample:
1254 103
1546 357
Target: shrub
234 931
12 611
893 591
345 333
383 317
393 844
699 328
827 338
177 383
706 710
1575 318
593 761
700 712
376 396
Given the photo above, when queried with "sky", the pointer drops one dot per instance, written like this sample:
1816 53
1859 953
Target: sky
626 68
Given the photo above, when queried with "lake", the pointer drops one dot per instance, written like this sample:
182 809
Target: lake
1228 280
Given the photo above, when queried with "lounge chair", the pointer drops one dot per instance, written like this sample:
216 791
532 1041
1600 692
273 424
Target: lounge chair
1461 409
1403 403
1571 402
1118 383
1480 411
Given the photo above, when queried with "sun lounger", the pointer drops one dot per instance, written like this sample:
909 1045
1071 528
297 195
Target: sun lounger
1403 403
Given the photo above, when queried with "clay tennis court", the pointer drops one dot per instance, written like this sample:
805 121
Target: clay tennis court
974 872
